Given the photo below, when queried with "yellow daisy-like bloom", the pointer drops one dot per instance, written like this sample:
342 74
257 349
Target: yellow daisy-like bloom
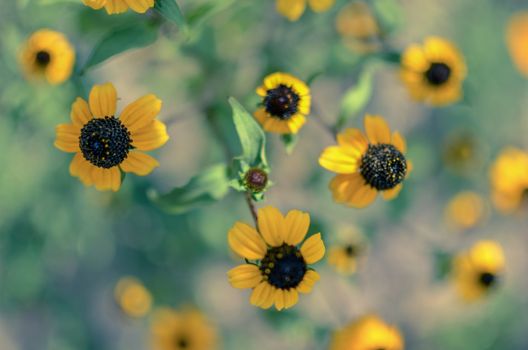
517 40
344 256
48 54
186 330
434 72
477 271
280 269
286 102
465 210
367 333
113 7
132 297
358 28
293 9
104 145
366 164
509 179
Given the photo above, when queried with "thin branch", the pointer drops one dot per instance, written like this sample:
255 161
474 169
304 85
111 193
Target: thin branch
252 208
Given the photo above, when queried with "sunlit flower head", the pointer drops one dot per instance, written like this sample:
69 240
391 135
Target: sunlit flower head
113 7
366 164
294 9
367 333
48 54
478 271
509 179
285 103
132 297
105 145
434 72
276 265
517 40
358 27
185 330
465 210
344 255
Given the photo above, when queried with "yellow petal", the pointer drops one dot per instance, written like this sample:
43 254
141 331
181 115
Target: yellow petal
313 249
80 112
115 6
392 193
321 5
414 59
279 299
339 160
245 276
106 179
140 6
399 142
103 100
362 197
517 40
95 4
296 226
309 279
150 137
246 242
141 112
81 168
291 297
291 9
262 295
354 141
271 225
139 163
67 139
377 129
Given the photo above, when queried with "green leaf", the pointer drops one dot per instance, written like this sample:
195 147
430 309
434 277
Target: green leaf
117 41
290 141
171 11
207 187
251 135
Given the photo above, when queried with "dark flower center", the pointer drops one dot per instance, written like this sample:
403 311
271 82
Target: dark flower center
42 58
281 102
256 180
283 267
351 250
487 279
383 166
181 342
438 73
105 142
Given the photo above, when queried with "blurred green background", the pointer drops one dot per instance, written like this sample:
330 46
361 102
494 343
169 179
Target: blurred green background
63 246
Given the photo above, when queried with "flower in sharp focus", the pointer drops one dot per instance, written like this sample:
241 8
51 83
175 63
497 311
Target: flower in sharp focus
517 40
132 297
105 145
465 210
277 268
367 333
434 72
48 54
185 330
285 104
366 164
294 9
478 271
509 179
358 28
344 256
119 6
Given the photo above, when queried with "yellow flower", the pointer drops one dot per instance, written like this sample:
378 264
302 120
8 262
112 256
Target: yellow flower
119 6
48 54
465 210
104 145
517 40
186 330
280 269
293 9
366 164
367 333
358 28
286 102
509 179
478 270
344 256
434 72
132 297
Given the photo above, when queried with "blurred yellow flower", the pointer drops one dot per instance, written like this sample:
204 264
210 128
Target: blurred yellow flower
367 333
119 6
280 271
48 54
517 40
186 330
286 102
132 297
344 256
358 28
104 145
434 72
465 210
509 179
366 164
478 270
462 152
293 9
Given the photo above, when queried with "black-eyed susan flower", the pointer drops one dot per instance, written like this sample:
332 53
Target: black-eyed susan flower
367 333
517 40
478 271
119 6
48 54
276 267
285 104
185 330
434 72
132 297
465 210
509 179
358 28
366 164
104 144
345 254
293 9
